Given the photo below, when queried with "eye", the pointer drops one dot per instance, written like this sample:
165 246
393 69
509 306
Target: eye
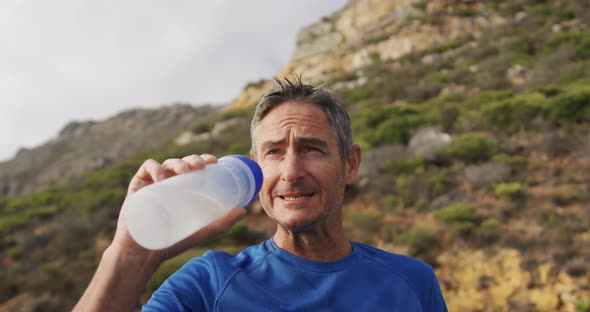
272 152
313 149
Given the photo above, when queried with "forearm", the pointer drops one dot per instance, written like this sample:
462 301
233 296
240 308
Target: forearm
118 282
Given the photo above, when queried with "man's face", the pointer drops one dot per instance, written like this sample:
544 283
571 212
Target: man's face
304 175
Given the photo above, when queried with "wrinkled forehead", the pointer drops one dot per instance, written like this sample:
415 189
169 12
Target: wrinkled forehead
303 118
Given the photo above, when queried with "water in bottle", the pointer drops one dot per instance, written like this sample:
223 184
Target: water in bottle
162 214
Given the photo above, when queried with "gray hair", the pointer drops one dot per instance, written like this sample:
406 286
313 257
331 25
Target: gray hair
297 92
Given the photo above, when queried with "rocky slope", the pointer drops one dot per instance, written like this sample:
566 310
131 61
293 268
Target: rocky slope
89 145
368 31
473 116
520 264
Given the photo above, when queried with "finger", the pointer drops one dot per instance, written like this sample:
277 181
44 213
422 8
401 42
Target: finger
194 161
209 159
149 172
175 165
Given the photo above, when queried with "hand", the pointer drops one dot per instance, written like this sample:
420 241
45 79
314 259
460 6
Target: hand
151 171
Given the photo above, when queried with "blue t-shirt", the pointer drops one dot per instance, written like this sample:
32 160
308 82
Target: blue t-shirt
267 278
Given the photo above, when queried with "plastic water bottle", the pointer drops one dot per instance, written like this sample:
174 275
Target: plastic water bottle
162 214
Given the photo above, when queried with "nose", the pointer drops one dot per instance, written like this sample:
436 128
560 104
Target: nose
292 169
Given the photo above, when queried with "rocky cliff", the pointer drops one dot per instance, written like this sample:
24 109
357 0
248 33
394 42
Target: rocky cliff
369 31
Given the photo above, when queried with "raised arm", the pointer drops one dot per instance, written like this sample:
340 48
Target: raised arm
125 266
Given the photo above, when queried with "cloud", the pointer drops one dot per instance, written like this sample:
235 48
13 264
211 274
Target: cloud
69 60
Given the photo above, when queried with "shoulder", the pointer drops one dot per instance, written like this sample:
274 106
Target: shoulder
198 282
414 271
224 264
418 275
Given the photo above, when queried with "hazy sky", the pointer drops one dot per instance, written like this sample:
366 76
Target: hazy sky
65 60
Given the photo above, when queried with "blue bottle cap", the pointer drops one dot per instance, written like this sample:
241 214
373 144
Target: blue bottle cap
256 171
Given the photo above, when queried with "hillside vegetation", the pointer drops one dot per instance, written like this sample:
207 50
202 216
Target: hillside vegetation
476 160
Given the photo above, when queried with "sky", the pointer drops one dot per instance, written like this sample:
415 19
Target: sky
66 60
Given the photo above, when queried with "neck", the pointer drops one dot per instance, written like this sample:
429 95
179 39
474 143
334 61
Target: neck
314 245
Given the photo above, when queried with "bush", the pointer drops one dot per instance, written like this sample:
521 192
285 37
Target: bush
572 105
583 306
515 113
514 190
359 94
409 166
460 212
246 112
521 50
460 217
579 40
449 45
471 148
488 230
420 240
390 124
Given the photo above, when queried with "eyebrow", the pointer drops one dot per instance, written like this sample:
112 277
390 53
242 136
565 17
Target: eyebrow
302 141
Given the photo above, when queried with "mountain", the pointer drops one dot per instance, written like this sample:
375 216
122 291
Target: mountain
83 146
473 117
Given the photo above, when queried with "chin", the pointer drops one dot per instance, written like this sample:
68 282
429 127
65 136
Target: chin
299 225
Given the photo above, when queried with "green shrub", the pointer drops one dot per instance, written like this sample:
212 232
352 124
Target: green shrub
390 124
203 126
513 190
572 105
420 240
42 198
240 148
459 212
490 224
461 218
420 5
450 44
359 94
437 78
488 230
378 38
16 253
521 50
579 40
246 112
485 97
515 113
87 201
465 12
471 148
114 176
409 166
582 306
437 182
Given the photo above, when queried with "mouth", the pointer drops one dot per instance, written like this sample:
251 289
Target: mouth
295 197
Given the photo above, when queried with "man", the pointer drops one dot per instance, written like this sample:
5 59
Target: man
302 139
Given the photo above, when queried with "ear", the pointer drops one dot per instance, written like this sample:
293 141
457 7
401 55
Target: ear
352 164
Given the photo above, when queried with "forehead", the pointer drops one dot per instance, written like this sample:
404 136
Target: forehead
304 118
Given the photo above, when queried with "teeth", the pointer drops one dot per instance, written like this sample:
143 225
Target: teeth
295 197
